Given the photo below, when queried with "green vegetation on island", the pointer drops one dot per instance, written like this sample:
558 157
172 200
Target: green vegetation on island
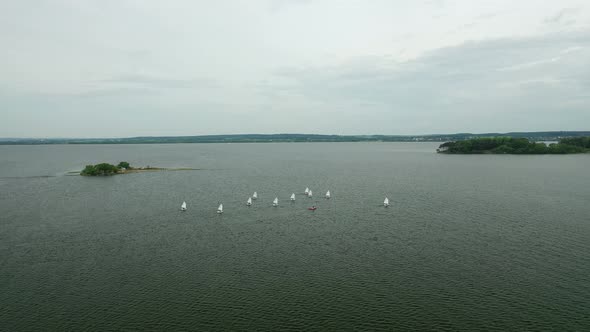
124 165
512 145
103 169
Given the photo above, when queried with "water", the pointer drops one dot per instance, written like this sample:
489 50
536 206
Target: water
469 242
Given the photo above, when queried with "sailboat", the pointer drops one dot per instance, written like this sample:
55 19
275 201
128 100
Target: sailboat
220 209
249 202
292 197
275 203
306 190
183 206
309 194
328 195
386 202
255 195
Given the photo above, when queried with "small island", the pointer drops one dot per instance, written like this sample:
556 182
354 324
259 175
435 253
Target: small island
106 169
512 145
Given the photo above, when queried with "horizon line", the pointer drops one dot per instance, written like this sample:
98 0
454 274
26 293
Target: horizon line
309 134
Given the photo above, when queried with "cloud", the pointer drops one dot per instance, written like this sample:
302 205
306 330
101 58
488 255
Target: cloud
563 17
277 5
155 82
435 3
529 64
543 75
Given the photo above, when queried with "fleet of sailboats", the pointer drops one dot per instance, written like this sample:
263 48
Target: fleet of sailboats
275 202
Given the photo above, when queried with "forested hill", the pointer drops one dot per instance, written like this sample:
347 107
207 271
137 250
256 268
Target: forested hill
267 138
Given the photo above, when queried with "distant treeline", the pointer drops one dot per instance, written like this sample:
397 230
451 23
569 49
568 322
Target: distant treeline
270 138
513 145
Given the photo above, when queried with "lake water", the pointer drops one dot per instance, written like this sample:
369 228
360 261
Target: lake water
480 242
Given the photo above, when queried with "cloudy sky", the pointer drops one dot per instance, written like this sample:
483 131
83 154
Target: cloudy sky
119 68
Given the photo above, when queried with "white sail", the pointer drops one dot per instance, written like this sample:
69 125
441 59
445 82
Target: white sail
293 196
220 208
309 194
249 202
386 202
255 195
328 195
306 190
183 206
275 202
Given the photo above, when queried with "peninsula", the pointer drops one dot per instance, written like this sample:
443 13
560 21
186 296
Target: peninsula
512 145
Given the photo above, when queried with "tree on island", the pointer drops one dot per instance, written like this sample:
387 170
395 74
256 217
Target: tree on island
124 164
583 142
104 169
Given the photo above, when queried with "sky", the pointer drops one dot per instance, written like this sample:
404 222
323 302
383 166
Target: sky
124 68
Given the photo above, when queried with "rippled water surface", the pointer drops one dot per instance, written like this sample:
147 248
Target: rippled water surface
469 242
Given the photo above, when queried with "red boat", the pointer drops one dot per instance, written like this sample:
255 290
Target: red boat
313 208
